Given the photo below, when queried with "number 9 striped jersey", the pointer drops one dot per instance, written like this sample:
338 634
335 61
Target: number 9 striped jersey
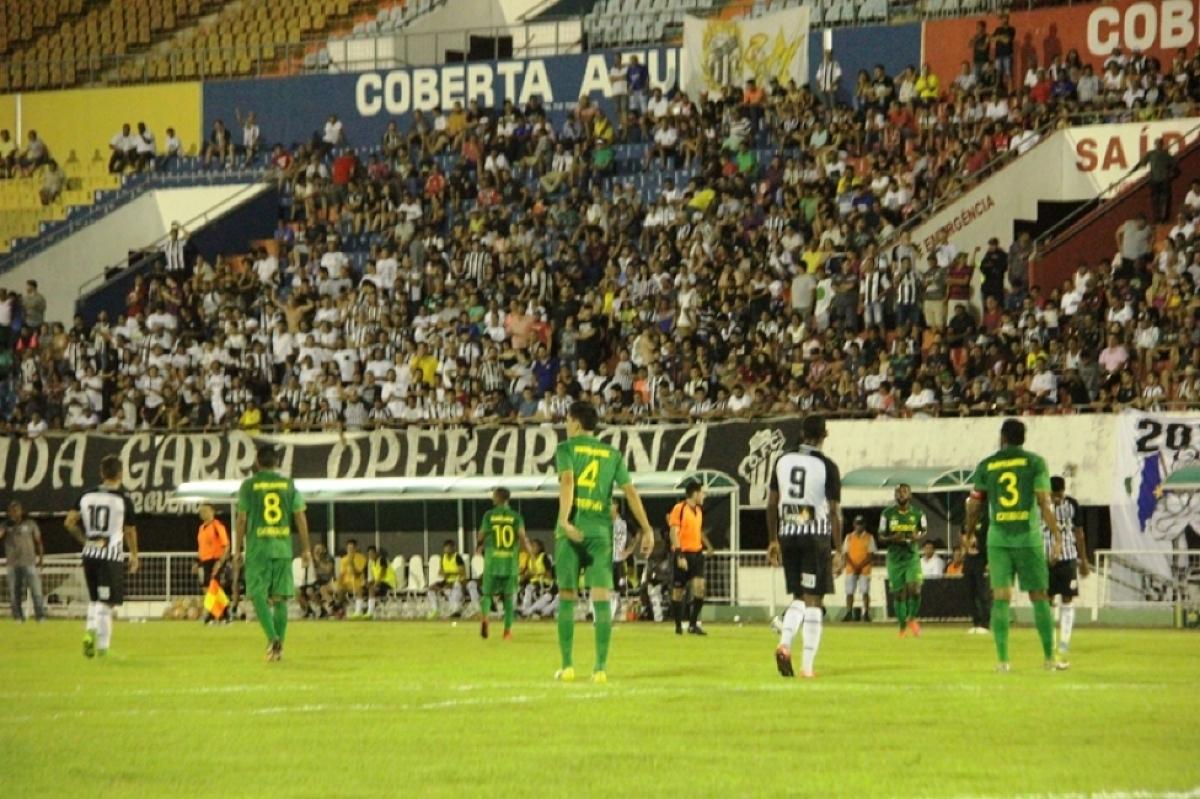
807 481
269 499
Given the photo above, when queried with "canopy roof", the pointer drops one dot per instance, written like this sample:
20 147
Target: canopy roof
384 489
924 480
1185 479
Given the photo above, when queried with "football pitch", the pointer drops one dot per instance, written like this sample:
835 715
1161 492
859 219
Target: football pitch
429 709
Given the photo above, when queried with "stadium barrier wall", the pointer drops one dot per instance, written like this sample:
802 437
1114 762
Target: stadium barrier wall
1155 27
83 120
893 46
64 267
50 470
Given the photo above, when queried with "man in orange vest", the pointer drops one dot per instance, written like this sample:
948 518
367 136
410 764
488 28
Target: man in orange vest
858 548
688 545
212 543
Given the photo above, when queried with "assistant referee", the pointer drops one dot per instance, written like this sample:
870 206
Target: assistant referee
688 545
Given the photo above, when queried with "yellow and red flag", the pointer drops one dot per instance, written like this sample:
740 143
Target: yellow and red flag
215 601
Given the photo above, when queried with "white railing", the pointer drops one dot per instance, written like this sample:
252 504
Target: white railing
1165 579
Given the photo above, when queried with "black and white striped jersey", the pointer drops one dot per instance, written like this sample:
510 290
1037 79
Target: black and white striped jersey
1068 515
106 513
807 481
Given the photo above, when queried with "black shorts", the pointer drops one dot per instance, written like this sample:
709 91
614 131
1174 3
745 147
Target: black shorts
207 568
1064 579
105 580
807 564
694 570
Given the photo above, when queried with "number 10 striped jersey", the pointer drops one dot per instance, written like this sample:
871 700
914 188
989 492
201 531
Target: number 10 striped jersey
269 499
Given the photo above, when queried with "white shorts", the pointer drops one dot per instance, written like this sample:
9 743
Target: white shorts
862 582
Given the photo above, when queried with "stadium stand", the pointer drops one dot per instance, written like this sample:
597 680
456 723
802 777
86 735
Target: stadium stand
483 265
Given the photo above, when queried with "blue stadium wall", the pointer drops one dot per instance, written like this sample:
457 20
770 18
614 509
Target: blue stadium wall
291 110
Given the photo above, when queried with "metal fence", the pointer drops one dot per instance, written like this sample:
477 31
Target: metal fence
1149 579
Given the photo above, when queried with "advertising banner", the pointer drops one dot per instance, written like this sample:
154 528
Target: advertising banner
292 109
1146 513
725 53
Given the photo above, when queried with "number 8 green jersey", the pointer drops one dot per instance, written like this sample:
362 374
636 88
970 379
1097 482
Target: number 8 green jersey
269 499
1011 477
596 467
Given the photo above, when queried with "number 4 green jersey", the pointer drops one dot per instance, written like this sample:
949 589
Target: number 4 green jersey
500 529
269 499
1011 477
597 467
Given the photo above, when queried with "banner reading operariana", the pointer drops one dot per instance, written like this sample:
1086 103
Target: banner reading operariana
1148 512
722 54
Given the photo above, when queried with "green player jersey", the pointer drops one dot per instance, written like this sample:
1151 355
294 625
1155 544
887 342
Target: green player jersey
269 499
597 467
500 529
1011 477
908 523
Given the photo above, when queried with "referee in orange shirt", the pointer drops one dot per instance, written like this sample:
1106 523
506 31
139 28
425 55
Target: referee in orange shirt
212 544
688 545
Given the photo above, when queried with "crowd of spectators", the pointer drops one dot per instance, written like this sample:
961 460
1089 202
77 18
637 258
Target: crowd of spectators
509 265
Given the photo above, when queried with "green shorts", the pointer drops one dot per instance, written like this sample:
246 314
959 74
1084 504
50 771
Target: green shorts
1026 563
902 572
270 577
592 555
498 583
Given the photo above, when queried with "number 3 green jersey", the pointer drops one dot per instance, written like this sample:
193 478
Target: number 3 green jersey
597 467
1012 477
269 499
500 529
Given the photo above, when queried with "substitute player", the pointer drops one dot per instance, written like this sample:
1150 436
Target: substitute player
1015 482
103 523
688 545
804 526
587 471
503 532
268 505
857 550
902 528
1065 574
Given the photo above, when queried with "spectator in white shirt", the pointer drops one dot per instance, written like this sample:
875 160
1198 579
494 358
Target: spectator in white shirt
333 136
144 147
251 136
932 565
123 147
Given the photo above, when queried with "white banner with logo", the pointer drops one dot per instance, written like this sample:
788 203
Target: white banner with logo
722 54
1147 512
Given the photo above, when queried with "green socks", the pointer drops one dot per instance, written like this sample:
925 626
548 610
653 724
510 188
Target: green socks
914 606
509 608
266 620
566 630
603 633
1043 618
485 605
281 619
1000 624
901 606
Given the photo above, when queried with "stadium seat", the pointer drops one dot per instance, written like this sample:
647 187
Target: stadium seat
416 573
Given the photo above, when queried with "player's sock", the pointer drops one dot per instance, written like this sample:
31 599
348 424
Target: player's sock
358 607
901 607
812 638
281 619
93 612
1066 623
603 633
456 598
510 603
1000 623
697 604
1043 619
914 606
527 600
103 626
485 606
793 617
265 619
371 606
677 613
616 606
473 592
566 630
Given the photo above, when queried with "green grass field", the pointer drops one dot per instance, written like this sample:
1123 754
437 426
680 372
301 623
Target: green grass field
426 709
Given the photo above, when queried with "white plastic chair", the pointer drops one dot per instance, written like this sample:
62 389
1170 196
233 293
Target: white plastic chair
416 573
